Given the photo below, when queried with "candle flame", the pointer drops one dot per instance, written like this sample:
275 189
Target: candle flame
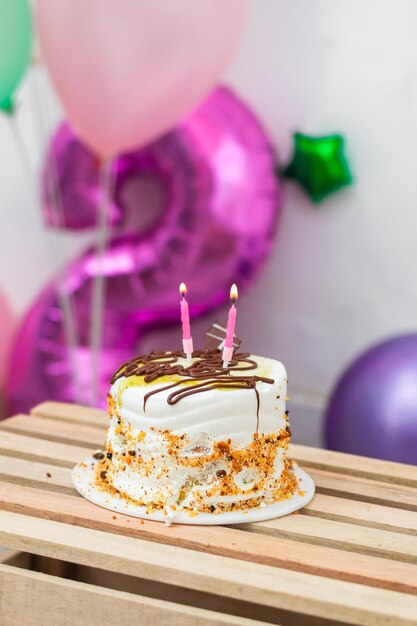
183 288
233 292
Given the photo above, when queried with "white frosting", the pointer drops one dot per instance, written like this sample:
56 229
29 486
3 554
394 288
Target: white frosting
218 413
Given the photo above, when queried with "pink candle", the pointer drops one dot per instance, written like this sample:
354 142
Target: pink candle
230 330
187 340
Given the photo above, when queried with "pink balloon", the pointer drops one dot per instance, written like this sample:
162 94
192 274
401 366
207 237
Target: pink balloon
128 70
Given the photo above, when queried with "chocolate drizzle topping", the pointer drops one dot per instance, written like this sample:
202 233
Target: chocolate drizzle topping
207 371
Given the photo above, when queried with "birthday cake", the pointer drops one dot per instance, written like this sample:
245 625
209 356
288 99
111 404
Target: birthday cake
193 436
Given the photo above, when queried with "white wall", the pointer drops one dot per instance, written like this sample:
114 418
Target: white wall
343 274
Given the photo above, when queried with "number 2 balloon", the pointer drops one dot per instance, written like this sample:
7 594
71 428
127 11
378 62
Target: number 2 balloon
219 207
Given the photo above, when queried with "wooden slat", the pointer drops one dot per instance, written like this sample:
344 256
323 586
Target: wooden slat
55 430
250 582
352 465
25 472
15 558
41 450
362 514
72 413
216 540
35 599
323 532
171 593
374 491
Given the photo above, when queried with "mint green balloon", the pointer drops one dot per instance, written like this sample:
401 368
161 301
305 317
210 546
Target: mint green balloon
15 47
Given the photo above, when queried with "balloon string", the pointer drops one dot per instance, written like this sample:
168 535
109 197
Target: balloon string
99 282
64 299
21 147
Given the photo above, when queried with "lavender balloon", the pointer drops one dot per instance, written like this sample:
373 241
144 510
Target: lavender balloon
213 224
373 409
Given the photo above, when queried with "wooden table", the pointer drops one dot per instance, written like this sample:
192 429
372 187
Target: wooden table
349 557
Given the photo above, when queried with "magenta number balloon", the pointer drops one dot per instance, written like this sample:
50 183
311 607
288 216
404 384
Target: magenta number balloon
218 207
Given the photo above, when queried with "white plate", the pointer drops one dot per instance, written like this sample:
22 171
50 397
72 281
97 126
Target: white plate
84 482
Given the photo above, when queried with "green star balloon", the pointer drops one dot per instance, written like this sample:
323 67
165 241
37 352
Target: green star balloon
319 165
